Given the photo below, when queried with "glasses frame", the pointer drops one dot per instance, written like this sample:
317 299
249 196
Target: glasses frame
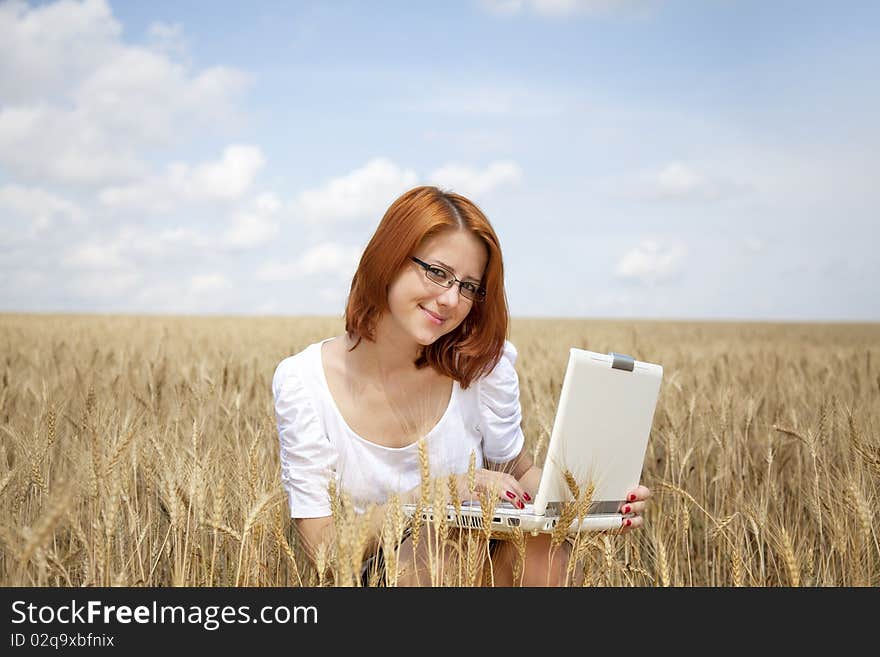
481 291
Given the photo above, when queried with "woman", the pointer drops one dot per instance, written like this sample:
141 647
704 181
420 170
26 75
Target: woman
424 356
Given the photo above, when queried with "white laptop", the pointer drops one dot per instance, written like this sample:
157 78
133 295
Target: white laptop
600 435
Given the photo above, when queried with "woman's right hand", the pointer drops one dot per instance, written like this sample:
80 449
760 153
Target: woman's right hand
503 485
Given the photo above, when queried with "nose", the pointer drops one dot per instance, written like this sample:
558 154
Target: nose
450 296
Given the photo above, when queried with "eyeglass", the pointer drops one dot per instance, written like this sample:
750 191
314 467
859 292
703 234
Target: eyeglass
445 278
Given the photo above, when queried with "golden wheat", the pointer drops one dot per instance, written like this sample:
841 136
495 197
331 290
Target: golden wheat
142 451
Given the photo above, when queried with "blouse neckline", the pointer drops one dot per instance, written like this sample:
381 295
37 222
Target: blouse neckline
322 375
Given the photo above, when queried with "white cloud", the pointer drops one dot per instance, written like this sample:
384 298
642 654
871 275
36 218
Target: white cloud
687 182
333 296
129 245
652 262
38 206
94 256
269 307
267 203
255 226
80 103
562 8
470 181
327 259
50 144
251 225
208 283
167 38
146 95
330 258
46 50
182 235
201 293
753 244
503 7
226 179
677 181
363 193
104 286
139 243
367 192
27 280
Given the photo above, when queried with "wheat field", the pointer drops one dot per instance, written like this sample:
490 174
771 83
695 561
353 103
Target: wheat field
142 451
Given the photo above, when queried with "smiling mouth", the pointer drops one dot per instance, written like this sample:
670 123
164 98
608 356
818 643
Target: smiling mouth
433 316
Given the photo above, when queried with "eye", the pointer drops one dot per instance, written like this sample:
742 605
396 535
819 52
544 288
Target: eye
438 273
470 287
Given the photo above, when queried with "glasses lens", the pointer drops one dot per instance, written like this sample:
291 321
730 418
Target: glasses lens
439 275
473 291
442 277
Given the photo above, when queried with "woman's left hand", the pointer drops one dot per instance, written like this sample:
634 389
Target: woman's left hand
632 509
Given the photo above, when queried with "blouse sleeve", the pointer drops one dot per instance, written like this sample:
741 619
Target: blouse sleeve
308 459
500 412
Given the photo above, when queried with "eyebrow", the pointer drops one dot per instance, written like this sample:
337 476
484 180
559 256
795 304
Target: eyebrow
440 262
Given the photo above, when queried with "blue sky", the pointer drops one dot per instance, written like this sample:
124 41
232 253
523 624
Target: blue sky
637 158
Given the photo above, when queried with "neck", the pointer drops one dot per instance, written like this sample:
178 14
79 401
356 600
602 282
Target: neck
391 355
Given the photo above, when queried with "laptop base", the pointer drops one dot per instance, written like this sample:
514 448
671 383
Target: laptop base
506 520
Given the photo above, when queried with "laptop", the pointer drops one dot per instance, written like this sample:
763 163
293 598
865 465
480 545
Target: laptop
600 436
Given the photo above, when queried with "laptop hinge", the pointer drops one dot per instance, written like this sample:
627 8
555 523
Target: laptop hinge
596 507
622 362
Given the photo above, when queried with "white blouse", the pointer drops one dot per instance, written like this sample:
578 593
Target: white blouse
316 441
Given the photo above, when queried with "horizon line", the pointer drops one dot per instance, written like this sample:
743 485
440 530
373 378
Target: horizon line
573 318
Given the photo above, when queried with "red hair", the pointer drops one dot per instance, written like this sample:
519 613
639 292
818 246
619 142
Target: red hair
475 346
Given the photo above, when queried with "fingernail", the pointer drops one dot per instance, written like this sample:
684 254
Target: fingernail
509 494
632 497
628 522
527 498
627 508
520 505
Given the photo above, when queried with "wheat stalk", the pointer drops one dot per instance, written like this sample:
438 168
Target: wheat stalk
37 535
737 567
265 502
790 558
663 564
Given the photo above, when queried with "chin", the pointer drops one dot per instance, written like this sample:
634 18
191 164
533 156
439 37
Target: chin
425 339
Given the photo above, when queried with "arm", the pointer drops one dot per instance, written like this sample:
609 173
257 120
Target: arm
526 473
501 416
313 532
521 468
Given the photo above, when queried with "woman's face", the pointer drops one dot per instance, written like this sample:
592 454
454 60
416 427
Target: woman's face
415 300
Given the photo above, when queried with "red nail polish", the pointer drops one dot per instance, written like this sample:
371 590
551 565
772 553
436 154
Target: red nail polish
520 505
527 498
509 494
632 497
627 508
628 522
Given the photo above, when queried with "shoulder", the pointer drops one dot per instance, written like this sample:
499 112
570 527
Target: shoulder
500 387
504 367
296 369
286 370
500 413
509 352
